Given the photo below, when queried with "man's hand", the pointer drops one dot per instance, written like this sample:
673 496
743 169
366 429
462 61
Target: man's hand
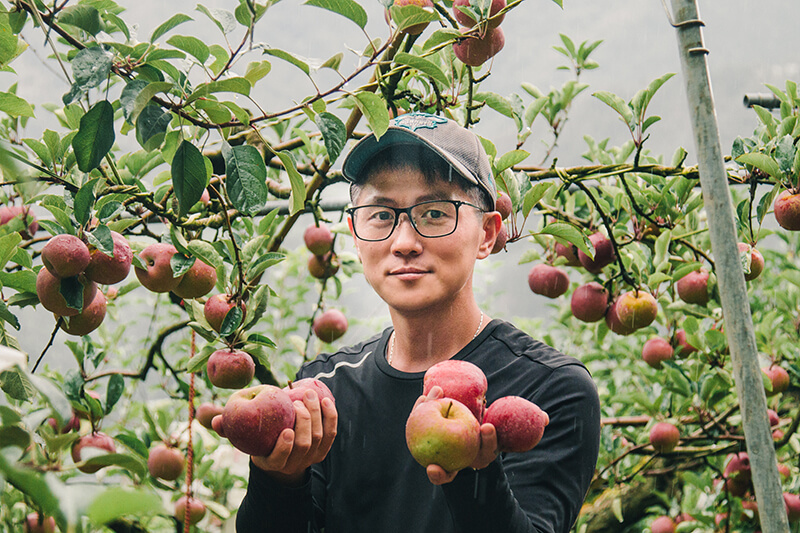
307 444
487 453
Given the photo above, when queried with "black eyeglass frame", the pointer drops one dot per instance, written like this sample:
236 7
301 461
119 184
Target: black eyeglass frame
407 210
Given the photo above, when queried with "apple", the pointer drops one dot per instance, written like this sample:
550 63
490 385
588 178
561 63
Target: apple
589 302
774 419
753 259
65 256
603 253
779 378
636 309
568 252
475 51
197 510
73 424
613 322
792 502
318 239
465 20
24 213
165 462
738 474
503 202
37 523
548 280
109 270
216 309
500 241
324 266
296 389
459 380
784 471
693 287
158 276
519 423
443 432
750 505
198 281
89 319
230 369
662 524
787 210
253 418
664 437
330 325
684 348
94 442
48 288
657 350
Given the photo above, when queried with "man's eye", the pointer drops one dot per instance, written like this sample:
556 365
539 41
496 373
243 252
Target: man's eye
382 216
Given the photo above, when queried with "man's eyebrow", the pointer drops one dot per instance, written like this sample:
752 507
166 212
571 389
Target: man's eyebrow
385 200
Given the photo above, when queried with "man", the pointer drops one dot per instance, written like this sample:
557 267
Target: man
423 212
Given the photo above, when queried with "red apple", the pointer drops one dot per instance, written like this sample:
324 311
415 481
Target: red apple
24 213
165 462
323 267
662 524
603 253
500 241
792 502
416 29
318 239
779 378
197 510
784 471
253 418
664 437
205 412
693 287
657 350
459 380
198 281
684 348
48 288
330 325
787 210
752 260
93 443
73 424
589 302
296 389
774 419
503 202
613 322
443 432
568 252
158 277
216 309
36 523
230 369
519 423
87 320
466 20
109 270
636 309
548 280
475 51
738 474
65 256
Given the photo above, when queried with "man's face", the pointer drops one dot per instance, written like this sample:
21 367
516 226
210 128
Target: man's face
414 273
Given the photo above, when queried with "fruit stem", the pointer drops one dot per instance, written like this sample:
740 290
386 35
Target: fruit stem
447 412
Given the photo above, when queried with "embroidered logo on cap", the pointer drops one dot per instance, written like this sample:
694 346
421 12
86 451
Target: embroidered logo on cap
415 121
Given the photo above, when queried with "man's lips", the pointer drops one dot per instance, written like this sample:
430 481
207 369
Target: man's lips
407 272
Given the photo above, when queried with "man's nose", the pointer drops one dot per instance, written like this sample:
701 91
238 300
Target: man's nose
405 238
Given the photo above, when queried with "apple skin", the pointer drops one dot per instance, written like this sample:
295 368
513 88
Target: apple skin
443 432
109 270
253 418
773 417
459 380
465 20
65 256
73 424
568 252
756 261
158 277
324 266
589 302
197 510
35 523
613 322
693 287
475 51
93 440
10 212
657 350
198 281
787 210
792 502
519 423
48 288
230 369
330 325
603 253
165 462
296 389
779 378
206 412
738 474
500 241
662 524
636 309
89 319
503 204
318 239
664 437
216 309
548 280
684 348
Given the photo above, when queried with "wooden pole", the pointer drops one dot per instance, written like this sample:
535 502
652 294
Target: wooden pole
730 276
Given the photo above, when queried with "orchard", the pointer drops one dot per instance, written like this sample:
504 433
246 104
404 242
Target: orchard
146 232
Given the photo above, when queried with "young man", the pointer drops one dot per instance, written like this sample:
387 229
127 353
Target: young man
423 212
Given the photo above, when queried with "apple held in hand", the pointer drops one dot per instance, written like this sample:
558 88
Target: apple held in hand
254 418
459 380
443 432
519 423
296 389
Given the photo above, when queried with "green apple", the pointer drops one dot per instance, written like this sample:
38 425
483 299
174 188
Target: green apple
443 432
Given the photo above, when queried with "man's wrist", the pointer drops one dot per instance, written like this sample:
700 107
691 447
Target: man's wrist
295 479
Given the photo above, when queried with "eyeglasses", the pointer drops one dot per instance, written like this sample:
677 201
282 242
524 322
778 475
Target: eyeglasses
434 218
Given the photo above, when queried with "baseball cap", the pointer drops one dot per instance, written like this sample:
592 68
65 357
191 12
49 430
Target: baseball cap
457 145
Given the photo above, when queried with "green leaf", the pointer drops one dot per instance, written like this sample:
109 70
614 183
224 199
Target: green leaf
54 397
205 252
116 386
83 202
127 99
297 198
423 65
180 264
9 42
191 45
198 361
617 104
496 102
232 321
82 16
762 162
72 291
346 8
8 247
570 234
144 96
534 109
509 159
444 35
15 106
229 85
533 196
16 384
334 133
188 176
374 109
224 20
91 67
116 502
290 58
95 136
785 153
151 127
246 177
241 114
411 15
101 239
173 21
34 484
257 70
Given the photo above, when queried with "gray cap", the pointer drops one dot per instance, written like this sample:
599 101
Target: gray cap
460 147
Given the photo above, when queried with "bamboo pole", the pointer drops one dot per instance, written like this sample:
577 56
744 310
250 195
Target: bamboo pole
730 277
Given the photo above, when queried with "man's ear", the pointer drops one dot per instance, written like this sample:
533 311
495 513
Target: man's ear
353 233
492 222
